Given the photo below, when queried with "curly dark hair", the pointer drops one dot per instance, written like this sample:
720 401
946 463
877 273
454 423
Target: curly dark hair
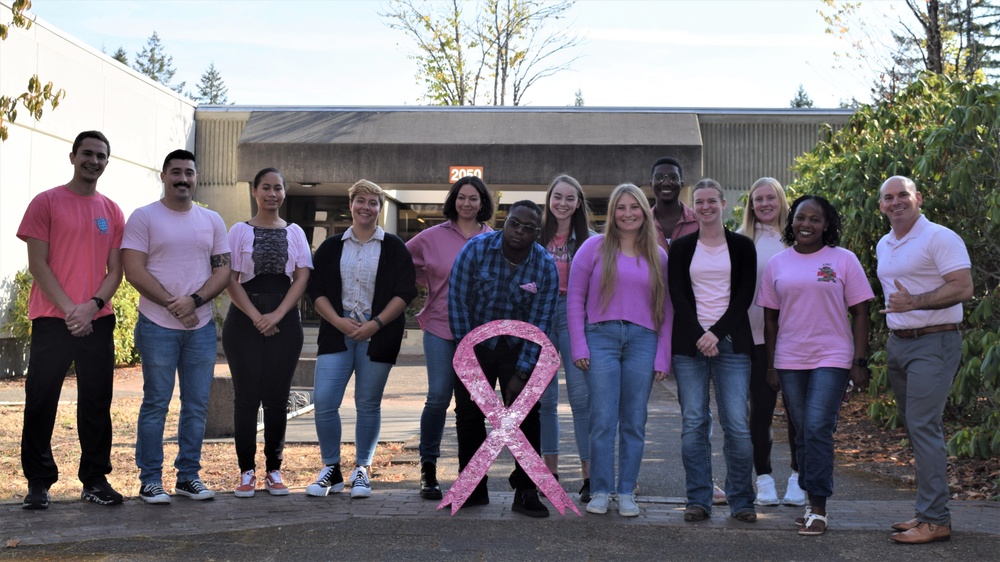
831 235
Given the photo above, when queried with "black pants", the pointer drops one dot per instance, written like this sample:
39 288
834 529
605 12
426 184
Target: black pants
53 350
498 364
262 369
762 401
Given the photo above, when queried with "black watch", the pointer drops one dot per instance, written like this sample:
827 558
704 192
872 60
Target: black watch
861 362
99 301
522 375
197 300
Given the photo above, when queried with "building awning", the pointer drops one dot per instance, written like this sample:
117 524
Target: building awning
413 148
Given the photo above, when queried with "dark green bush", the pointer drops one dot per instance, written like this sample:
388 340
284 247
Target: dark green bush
945 135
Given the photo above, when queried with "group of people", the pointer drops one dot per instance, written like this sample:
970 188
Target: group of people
666 289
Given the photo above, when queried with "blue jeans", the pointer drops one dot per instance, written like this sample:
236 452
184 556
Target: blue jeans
164 351
730 375
576 390
333 371
813 400
438 354
620 379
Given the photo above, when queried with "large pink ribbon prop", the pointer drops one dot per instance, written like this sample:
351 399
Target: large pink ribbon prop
506 421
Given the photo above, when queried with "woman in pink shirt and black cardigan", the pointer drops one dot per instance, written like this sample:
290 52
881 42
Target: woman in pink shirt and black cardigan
619 325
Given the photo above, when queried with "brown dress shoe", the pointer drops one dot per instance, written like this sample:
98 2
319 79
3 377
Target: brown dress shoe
923 533
905 525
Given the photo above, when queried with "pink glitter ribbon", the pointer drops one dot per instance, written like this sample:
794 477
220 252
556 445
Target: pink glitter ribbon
506 421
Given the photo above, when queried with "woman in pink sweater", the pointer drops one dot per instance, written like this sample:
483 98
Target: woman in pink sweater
619 324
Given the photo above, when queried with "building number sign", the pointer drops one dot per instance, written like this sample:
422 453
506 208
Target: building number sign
456 173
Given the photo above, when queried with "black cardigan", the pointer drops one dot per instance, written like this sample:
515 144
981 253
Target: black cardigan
395 277
743 278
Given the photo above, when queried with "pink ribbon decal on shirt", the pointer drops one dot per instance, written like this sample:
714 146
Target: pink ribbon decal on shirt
506 421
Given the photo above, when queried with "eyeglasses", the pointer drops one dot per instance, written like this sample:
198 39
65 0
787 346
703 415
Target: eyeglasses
521 227
660 178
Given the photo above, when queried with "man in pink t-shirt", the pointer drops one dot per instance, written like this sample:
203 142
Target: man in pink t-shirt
74 237
176 254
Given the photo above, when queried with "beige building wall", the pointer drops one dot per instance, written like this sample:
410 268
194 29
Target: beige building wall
142 119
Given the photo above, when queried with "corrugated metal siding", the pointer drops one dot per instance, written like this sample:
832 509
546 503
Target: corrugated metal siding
216 144
736 154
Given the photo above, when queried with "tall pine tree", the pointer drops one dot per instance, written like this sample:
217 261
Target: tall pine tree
212 89
155 63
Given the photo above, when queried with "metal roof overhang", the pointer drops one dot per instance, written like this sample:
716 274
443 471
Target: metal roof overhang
412 148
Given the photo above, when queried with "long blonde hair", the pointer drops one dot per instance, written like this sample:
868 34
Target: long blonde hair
645 245
750 221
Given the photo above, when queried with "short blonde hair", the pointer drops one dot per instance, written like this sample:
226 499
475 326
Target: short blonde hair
367 187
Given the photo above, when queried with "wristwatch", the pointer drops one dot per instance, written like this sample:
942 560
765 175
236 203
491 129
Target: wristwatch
861 362
99 301
197 300
522 375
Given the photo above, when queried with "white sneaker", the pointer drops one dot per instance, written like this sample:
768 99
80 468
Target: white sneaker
794 495
627 506
598 503
766 492
360 485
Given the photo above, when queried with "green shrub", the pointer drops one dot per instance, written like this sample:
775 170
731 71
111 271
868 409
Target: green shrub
125 304
945 135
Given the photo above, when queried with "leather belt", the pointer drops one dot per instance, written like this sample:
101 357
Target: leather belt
917 332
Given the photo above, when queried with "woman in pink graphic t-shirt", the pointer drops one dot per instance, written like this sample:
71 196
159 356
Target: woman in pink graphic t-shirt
815 297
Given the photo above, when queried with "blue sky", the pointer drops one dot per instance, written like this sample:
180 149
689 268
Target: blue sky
671 53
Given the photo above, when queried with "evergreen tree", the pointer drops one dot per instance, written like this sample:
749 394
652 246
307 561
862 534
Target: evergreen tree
121 56
801 99
155 63
212 89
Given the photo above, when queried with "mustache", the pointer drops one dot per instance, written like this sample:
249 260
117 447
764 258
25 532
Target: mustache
182 184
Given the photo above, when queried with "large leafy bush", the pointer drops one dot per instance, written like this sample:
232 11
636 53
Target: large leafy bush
944 135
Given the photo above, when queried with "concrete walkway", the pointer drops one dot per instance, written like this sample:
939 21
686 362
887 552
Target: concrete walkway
862 509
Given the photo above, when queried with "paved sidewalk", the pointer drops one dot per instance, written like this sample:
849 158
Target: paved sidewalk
79 521
861 511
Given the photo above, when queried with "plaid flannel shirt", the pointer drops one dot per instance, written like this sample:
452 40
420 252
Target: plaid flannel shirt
482 288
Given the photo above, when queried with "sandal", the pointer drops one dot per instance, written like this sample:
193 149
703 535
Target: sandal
801 521
807 529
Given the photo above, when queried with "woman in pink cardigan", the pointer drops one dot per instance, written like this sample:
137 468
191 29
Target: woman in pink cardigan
619 318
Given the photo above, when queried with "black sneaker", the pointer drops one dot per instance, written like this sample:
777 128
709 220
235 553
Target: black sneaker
585 491
526 503
329 480
37 498
101 493
429 487
194 489
154 493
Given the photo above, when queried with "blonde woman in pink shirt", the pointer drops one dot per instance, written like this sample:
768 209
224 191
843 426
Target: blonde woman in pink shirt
619 318
467 207
764 220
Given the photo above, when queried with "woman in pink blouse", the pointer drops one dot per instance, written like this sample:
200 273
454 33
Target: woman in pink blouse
467 207
262 335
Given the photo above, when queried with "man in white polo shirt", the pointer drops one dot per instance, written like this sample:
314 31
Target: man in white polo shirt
926 275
